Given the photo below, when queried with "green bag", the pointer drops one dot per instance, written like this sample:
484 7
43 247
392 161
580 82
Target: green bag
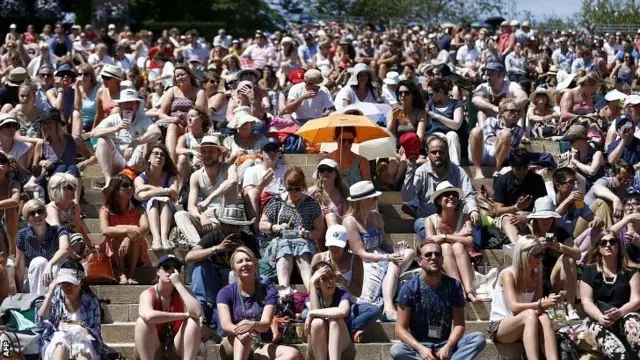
22 321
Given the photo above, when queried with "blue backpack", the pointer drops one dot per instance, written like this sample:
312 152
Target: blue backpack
293 144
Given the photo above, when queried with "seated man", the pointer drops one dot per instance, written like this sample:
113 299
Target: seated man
212 270
169 322
491 144
431 314
420 183
264 180
487 96
209 187
122 136
607 193
515 192
309 99
626 146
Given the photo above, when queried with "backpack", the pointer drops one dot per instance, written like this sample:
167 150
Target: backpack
294 144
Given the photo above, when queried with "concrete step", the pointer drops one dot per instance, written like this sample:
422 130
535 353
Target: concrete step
367 351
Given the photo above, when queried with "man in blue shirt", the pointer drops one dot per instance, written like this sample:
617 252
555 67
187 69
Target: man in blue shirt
627 146
431 315
308 50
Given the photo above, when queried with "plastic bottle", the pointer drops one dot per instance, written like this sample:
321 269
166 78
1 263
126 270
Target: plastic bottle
579 203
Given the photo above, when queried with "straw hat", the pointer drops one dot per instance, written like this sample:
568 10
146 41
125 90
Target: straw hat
443 188
545 92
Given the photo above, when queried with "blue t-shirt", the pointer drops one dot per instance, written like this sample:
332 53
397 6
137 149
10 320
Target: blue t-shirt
435 125
338 296
620 55
253 306
630 153
431 307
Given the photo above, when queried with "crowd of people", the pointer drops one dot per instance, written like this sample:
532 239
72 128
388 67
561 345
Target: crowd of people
190 135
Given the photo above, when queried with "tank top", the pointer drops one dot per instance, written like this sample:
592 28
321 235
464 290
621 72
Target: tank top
67 218
180 106
206 190
352 175
624 75
323 63
371 239
435 220
499 308
107 102
89 107
175 306
191 143
68 156
326 257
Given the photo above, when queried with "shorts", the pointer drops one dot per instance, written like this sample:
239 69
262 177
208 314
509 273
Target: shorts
488 154
492 329
260 352
162 353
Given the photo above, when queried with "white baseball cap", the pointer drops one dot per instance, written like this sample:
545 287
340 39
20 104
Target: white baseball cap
336 236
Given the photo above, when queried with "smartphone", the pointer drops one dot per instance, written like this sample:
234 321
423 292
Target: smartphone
550 237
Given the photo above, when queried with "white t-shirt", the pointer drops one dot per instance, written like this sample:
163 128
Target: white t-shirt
349 93
310 108
508 89
122 138
254 174
467 56
94 59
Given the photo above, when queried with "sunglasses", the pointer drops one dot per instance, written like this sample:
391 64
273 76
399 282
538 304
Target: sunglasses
38 212
157 153
69 187
271 149
610 242
432 254
125 186
324 169
294 188
45 75
451 194
349 140
537 254
404 93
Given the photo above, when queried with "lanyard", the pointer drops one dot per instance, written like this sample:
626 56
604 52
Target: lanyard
243 307
160 299
284 203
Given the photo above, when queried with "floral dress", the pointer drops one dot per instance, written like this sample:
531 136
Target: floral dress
302 216
130 217
88 314
374 272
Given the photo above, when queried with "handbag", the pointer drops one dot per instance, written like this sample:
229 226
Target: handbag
98 268
10 347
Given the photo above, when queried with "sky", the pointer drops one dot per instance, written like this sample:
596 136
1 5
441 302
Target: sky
542 8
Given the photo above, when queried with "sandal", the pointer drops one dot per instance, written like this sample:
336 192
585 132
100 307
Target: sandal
131 281
123 280
358 337
167 245
156 245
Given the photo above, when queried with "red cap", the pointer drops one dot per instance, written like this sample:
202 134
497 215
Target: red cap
296 76
411 144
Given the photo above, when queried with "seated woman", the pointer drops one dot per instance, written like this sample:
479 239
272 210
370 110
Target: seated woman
583 158
244 144
28 113
198 125
559 254
58 153
330 191
40 248
518 308
353 167
63 210
349 272
452 229
125 226
610 295
446 117
9 205
246 310
157 189
70 317
367 239
295 224
628 228
329 316
409 115
85 101
541 116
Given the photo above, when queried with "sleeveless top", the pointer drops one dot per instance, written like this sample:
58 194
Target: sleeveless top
402 129
220 114
144 177
180 106
175 306
326 257
371 239
499 308
107 102
352 174
156 101
19 149
68 155
435 220
89 108
206 190
42 102
582 108
323 63
67 218
624 76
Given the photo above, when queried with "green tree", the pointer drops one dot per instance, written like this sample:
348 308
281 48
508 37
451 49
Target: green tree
608 12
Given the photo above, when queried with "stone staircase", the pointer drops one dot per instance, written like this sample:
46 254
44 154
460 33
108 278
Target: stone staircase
122 307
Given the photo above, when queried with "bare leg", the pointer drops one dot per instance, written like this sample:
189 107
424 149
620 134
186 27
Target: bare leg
564 277
76 123
503 147
476 142
154 225
510 230
171 140
166 220
187 340
304 265
390 282
119 260
463 263
284 267
61 353
339 338
318 338
522 327
241 350
105 154
548 337
184 171
4 283
11 222
133 258
449 261
146 339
